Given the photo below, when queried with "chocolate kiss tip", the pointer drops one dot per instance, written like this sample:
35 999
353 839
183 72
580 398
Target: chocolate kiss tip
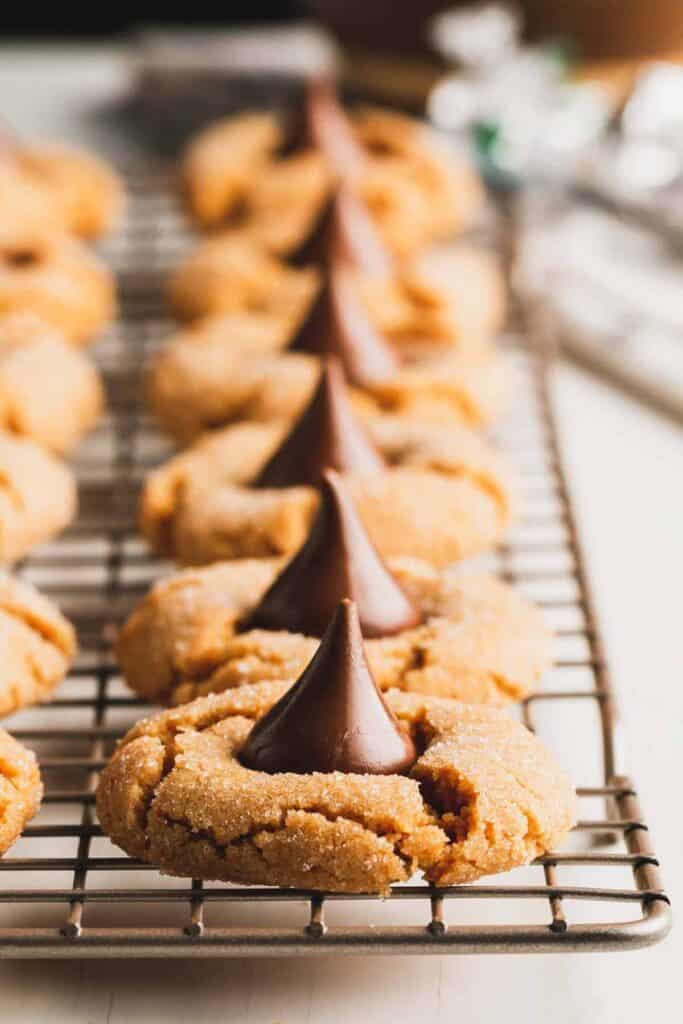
345 231
338 324
338 560
330 130
334 718
327 434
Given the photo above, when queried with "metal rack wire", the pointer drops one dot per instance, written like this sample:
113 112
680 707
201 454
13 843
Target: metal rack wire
65 891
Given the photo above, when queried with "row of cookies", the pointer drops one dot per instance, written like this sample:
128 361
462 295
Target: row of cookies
411 327
313 230
38 645
332 677
52 201
54 296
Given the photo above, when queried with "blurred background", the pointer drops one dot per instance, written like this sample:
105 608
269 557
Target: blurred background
572 107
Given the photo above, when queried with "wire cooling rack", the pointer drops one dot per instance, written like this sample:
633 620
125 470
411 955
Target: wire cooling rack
66 891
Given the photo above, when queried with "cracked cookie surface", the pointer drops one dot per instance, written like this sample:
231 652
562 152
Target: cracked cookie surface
483 797
480 642
20 789
37 496
38 645
444 495
49 391
203 381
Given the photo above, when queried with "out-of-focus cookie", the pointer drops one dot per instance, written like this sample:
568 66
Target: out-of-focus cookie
450 297
87 194
38 645
49 391
284 200
232 274
37 496
433 493
201 382
57 278
21 789
416 187
483 796
25 207
223 159
239 172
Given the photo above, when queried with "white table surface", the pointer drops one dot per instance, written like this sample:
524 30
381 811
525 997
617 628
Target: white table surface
626 472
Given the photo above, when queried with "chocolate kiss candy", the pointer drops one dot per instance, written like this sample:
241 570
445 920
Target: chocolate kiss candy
326 434
334 718
327 128
338 560
337 324
345 231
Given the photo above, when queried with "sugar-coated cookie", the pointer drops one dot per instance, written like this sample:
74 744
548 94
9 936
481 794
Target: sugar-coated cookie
480 642
443 494
483 796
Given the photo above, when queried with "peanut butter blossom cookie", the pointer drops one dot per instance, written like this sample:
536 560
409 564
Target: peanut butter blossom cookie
20 789
37 496
450 296
427 631
272 177
58 188
249 491
234 274
37 642
201 382
49 391
329 785
56 277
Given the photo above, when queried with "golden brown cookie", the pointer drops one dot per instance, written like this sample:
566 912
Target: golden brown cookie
223 159
57 278
38 645
444 495
25 207
235 173
480 642
284 200
85 191
37 496
446 297
484 796
49 391
20 789
215 376
417 188
231 274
